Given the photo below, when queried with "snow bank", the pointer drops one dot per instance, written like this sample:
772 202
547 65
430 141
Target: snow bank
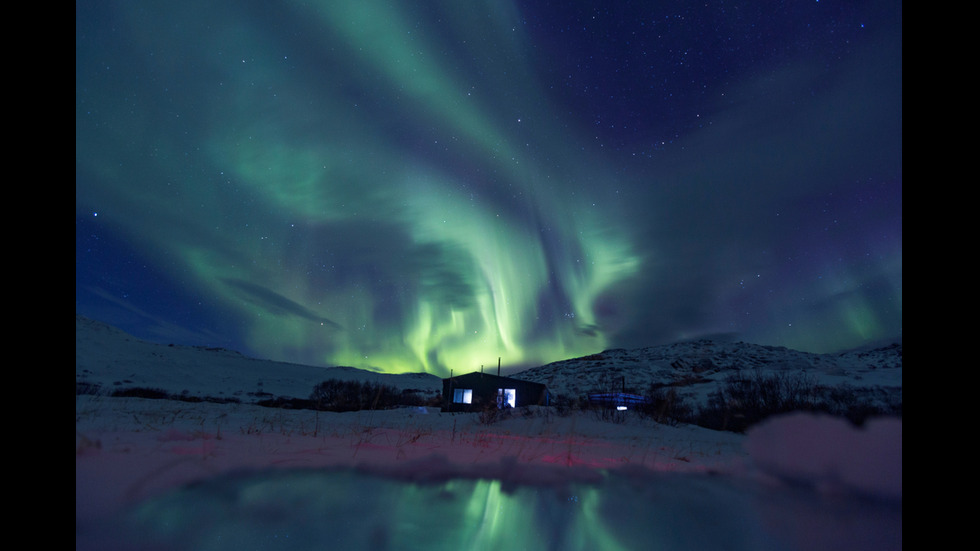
830 453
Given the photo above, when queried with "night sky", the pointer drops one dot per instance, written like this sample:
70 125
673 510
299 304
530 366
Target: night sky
433 185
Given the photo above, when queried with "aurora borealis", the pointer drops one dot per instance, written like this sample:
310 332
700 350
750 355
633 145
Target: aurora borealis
426 186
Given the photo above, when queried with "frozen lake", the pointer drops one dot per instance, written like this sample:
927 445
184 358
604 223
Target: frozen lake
354 509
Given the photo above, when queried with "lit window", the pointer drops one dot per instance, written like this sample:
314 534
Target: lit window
463 396
506 397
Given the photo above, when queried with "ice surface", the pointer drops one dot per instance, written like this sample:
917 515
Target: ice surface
204 477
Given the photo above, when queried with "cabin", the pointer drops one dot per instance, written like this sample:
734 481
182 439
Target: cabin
477 391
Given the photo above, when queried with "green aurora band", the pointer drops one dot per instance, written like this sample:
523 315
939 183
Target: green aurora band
395 188
463 243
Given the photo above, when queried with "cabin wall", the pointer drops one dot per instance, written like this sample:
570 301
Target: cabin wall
483 389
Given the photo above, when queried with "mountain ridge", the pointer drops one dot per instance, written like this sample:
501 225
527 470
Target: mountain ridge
697 368
112 359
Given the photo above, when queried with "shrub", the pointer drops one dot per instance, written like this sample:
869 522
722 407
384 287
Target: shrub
82 388
221 400
283 402
564 406
858 405
744 401
490 414
605 413
666 406
140 392
414 397
337 395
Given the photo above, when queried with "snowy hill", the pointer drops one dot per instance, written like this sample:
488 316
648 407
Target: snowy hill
697 368
112 360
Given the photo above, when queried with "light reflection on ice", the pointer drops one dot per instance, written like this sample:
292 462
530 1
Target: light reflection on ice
614 510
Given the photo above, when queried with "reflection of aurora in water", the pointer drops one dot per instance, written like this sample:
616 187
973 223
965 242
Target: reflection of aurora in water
312 509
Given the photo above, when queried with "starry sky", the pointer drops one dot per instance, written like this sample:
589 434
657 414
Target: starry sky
410 186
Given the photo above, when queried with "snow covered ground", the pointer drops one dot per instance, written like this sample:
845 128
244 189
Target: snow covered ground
167 474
